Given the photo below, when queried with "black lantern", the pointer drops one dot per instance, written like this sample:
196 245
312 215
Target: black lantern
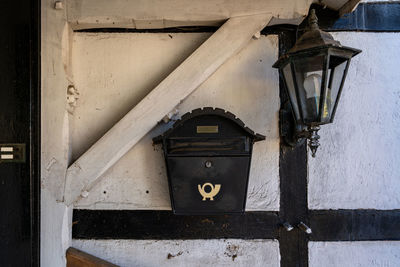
314 71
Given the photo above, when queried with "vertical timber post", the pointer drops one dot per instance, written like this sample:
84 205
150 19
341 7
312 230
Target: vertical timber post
293 184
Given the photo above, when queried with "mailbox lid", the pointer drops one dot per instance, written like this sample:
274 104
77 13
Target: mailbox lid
209 123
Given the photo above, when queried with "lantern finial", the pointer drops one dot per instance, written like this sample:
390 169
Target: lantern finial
313 20
313 142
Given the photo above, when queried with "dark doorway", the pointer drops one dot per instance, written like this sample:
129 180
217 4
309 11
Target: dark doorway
19 132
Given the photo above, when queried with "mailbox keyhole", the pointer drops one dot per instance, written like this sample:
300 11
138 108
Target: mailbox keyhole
208 164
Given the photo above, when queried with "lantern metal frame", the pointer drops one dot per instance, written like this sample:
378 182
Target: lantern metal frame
312 44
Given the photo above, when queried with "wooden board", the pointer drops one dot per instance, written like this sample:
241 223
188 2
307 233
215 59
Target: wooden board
77 258
158 14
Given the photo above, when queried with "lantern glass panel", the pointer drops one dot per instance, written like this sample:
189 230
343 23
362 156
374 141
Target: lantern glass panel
337 68
309 78
287 73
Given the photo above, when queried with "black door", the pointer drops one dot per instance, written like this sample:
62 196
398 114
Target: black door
19 133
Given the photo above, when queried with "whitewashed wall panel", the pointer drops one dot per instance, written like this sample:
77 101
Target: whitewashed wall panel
113 72
178 253
358 164
354 254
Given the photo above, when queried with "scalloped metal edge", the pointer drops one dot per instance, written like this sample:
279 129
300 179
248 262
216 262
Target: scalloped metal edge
208 111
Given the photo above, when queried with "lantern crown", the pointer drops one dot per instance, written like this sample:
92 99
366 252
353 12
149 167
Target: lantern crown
314 37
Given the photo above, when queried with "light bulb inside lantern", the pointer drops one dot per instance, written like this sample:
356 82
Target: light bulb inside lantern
312 85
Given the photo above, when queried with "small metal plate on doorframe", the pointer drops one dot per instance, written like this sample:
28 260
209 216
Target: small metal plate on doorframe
14 153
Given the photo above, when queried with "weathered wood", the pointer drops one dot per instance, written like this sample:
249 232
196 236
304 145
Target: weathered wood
355 225
55 81
55 40
293 183
158 14
77 258
348 7
175 13
164 225
375 17
200 65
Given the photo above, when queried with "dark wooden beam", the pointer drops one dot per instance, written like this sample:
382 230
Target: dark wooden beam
293 205
375 17
355 225
368 17
153 224
327 225
293 184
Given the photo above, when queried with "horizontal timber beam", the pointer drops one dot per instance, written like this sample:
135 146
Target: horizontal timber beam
354 225
326 225
153 14
371 17
161 225
227 41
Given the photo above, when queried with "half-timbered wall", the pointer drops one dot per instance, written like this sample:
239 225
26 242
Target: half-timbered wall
112 72
357 166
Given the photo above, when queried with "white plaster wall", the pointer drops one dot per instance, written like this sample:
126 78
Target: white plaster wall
358 163
55 217
113 72
56 225
146 253
354 254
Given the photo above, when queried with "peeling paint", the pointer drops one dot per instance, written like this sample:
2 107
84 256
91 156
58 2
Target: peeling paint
170 256
232 251
182 253
72 98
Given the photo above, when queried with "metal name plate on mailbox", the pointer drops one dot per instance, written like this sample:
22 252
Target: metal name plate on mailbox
208 154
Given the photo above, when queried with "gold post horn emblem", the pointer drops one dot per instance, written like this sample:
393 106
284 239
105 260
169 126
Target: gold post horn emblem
214 191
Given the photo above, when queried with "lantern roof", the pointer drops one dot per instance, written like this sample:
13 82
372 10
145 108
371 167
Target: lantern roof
314 37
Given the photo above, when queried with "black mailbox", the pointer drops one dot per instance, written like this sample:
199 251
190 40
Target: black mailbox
208 153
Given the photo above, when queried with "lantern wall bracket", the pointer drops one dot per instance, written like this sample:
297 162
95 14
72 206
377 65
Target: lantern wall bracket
294 134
